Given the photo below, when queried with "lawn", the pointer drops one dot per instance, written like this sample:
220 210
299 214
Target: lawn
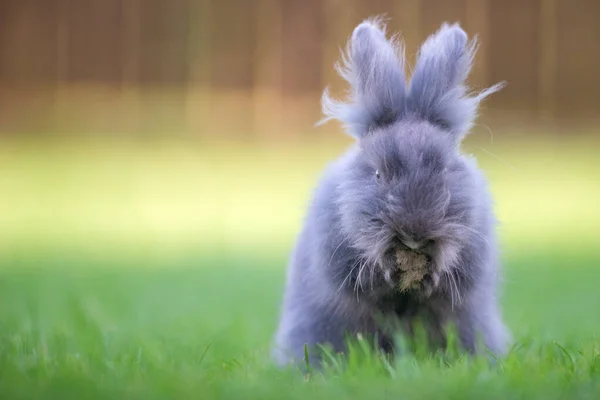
153 270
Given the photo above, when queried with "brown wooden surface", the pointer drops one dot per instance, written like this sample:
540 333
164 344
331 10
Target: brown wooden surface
261 65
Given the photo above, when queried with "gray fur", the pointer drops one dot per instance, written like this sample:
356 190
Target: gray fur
342 278
374 68
437 92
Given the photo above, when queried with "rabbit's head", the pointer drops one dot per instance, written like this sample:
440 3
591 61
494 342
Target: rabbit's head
406 189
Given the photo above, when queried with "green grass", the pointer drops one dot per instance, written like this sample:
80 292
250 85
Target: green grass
200 327
155 270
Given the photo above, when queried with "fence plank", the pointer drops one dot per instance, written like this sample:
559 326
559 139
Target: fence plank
514 38
340 18
408 14
435 12
548 60
198 87
302 34
232 43
476 24
29 45
578 82
244 66
268 59
95 32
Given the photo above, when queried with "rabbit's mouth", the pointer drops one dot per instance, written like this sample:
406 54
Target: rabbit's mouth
413 272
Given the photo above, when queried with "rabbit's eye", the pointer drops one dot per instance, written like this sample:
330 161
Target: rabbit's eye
377 174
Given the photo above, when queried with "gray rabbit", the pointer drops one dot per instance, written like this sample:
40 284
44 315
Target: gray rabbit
401 226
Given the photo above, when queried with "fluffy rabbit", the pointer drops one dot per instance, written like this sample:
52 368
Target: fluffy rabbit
401 226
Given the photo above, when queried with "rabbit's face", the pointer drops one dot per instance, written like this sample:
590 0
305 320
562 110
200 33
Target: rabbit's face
407 190
406 201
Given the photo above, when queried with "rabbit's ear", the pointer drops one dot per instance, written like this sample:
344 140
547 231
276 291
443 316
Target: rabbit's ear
374 67
438 92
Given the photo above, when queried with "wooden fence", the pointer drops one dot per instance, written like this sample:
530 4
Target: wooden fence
252 67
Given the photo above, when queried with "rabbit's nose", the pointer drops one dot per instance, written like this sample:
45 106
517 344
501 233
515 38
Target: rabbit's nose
412 244
417 245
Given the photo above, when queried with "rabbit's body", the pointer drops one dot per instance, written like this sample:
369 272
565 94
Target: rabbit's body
401 226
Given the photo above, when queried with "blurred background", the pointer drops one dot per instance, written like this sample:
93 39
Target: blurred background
157 158
154 126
